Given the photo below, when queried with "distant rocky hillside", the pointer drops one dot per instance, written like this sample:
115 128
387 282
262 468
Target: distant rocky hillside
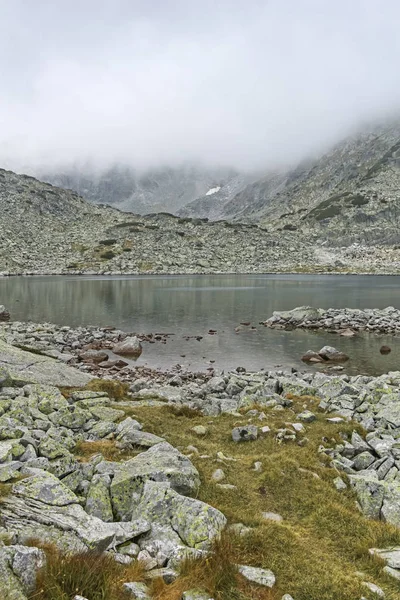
50 230
350 195
163 189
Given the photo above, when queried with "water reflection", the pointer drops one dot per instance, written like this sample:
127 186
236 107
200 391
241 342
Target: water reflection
191 305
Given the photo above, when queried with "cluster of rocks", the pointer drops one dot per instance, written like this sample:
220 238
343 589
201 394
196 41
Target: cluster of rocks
101 351
142 508
138 509
339 320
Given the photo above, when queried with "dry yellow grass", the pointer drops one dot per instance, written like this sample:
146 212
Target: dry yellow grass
85 450
94 576
323 540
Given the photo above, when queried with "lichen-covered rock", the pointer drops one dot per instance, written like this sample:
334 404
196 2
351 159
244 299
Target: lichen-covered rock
263 577
25 563
196 523
98 502
11 587
46 398
105 413
25 367
71 417
44 487
137 591
390 414
162 462
135 437
391 504
370 493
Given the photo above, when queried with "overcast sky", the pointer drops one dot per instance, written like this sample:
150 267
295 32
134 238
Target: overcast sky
247 83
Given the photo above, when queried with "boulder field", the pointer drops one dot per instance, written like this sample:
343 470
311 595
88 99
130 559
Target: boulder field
144 508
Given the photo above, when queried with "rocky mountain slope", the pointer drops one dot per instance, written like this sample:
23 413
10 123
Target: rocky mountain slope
162 189
49 230
213 204
350 195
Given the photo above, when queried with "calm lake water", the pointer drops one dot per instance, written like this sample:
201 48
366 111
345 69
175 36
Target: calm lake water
192 305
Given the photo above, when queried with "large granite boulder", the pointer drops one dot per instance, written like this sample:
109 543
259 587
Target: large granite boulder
161 462
197 524
40 506
130 346
26 367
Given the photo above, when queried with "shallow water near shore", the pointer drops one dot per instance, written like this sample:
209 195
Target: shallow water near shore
192 305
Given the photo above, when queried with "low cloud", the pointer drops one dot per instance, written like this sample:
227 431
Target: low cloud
247 84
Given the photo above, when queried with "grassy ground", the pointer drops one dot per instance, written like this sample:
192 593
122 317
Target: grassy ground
321 545
323 540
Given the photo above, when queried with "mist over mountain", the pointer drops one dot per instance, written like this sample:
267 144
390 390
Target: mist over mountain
243 85
163 189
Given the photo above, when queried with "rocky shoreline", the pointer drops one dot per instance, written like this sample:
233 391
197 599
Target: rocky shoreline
344 321
144 508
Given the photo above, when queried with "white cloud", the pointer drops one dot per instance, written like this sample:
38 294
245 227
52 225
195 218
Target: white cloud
248 84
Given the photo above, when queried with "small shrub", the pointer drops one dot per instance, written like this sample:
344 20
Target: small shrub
183 411
107 255
115 389
109 242
128 224
91 575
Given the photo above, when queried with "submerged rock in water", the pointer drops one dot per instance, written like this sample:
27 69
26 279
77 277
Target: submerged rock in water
4 314
385 350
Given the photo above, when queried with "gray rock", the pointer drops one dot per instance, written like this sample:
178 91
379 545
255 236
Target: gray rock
39 507
263 577
395 573
98 502
307 416
24 367
245 433
135 437
96 356
162 462
339 484
363 461
25 563
9 471
375 589
12 588
137 591
370 493
196 523
218 475
199 430
390 555
130 346
271 516
390 508
390 414
332 354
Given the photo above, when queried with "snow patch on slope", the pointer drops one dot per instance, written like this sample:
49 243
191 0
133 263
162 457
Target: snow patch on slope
213 190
